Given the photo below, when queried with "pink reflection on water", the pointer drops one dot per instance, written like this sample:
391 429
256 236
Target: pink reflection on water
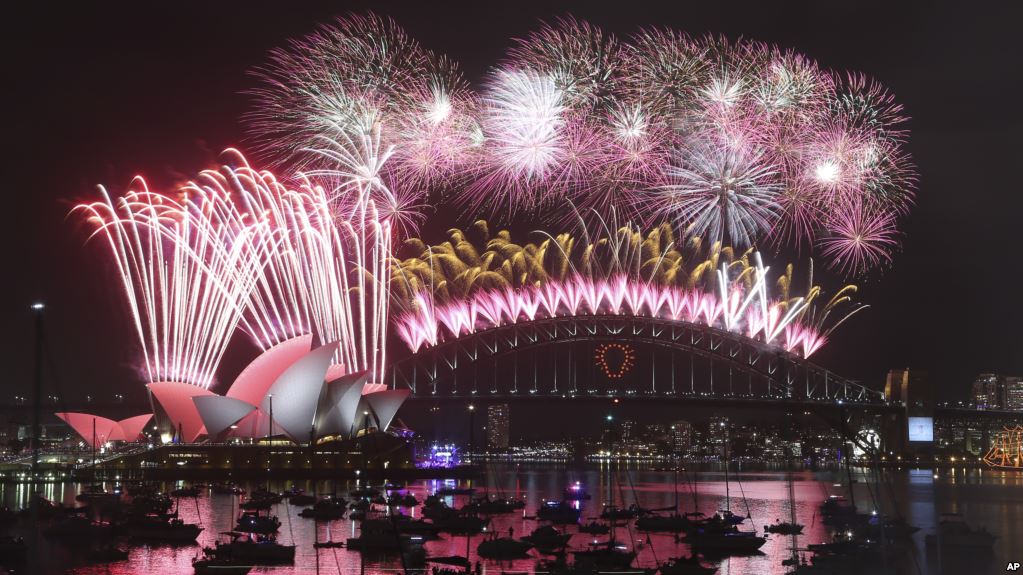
766 494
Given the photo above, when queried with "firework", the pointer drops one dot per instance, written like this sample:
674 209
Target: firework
743 311
721 193
455 288
861 238
737 141
245 250
186 273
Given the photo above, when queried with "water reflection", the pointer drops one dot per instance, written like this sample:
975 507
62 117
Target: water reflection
989 498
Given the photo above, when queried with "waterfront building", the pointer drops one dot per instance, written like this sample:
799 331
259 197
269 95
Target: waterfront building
985 391
718 435
681 437
627 429
498 425
1014 393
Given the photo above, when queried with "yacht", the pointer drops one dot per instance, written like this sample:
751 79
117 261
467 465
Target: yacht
558 512
152 528
244 549
503 548
953 531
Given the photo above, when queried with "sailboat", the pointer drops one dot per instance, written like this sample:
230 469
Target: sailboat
720 533
789 527
605 555
673 522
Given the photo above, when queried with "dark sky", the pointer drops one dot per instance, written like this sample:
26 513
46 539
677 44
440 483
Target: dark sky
99 92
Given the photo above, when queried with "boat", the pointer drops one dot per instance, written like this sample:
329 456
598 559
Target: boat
95 492
453 560
381 535
252 522
438 510
242 548
415 526
594 528
402 500
953 531
503 548
219 567
77 528
488 506
462 523
606 556
301 499
673 523
185 492
725 542
138 489
685 566
155 504
619 513
292 491
730 518
575 493
784 528
108 554
558 512
325 510
227 489
837 510
364 492
256 504
152 528
547 537
265 495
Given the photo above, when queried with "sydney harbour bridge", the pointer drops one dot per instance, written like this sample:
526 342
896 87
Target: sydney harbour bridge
635 358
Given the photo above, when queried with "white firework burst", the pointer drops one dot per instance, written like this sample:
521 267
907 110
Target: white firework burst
721 192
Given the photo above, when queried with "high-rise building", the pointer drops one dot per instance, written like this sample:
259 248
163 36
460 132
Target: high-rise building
655 431
498 422
627 429
987 391
908 386
717 435
681 437
1014 393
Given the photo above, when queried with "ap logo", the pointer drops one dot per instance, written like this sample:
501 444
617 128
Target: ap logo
1012 566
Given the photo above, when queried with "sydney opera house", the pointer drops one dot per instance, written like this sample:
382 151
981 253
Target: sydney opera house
292 390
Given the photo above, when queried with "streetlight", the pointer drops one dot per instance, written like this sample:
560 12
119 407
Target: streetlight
472 411
37 391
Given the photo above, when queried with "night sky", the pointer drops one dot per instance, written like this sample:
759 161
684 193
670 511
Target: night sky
106 91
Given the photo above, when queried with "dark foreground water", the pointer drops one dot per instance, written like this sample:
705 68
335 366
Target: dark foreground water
986 498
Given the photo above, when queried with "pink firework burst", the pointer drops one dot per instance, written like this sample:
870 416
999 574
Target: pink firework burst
860 237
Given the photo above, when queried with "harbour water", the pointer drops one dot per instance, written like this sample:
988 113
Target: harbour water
992 499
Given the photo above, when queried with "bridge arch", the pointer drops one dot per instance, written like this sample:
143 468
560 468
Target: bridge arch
556 357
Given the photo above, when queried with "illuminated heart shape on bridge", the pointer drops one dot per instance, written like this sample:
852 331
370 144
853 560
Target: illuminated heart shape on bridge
615 359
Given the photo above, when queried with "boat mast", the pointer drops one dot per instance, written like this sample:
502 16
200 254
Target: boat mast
728 494
37 390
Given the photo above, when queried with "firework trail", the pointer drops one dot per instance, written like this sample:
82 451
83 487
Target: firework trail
245 250
186 273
